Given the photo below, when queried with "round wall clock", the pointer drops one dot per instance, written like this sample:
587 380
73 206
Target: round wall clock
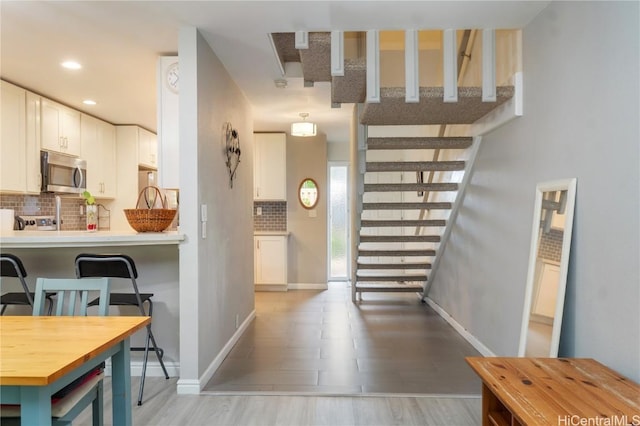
172 77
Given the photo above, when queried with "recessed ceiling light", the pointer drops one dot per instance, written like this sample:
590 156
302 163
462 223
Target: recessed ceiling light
72 65
89 102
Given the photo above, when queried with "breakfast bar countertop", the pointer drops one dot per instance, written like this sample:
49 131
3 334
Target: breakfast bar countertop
273 233
41 239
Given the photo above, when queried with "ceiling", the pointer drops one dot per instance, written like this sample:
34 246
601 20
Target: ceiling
118 43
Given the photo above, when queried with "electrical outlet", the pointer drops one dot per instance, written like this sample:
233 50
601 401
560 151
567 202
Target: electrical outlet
237 321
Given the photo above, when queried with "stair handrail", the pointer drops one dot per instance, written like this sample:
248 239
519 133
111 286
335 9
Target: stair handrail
466 46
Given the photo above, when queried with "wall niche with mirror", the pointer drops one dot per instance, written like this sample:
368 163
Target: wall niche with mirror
308 193
548 266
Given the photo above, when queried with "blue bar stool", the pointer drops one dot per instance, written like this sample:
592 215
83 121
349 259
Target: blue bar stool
123 266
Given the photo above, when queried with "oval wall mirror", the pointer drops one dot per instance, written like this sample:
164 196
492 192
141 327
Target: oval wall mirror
308 193
548 266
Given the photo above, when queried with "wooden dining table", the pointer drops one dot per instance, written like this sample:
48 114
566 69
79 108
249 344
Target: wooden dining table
39 355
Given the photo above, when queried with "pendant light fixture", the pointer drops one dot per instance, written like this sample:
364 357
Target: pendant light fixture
303 128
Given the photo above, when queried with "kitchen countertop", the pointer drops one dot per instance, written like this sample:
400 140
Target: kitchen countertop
272 233
41 239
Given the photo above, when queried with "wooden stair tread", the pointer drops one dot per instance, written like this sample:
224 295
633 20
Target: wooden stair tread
407 206
401 223
398 253
391 278
406 187
388 288
414 166
399 238
394 265
419 143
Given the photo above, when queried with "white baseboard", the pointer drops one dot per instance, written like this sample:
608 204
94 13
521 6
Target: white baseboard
307 286
153 368
485 351
190 387
270 287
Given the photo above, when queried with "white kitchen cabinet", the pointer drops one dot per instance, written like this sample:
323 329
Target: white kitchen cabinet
20 140
99 150
270 167
13 139
34 178
147 149
270 262
60 128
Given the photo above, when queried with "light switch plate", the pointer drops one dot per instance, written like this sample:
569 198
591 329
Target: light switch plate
313 213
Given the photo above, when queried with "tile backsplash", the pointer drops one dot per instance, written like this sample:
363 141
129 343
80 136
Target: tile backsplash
551 245
273 217
45 205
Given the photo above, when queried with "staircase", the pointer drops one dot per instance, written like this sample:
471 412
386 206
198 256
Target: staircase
410 187
401 230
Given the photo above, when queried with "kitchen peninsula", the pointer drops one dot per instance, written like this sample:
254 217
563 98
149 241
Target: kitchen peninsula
52 254
43 239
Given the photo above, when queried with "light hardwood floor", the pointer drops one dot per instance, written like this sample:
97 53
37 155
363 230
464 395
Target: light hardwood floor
320 343
315 358
163 407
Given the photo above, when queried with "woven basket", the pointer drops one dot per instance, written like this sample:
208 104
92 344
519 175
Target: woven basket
150 219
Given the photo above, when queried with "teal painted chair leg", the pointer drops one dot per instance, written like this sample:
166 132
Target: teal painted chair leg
98 406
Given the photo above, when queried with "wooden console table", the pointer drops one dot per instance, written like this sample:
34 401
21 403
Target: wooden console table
554 391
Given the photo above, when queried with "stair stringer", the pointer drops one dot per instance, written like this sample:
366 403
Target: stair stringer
453 214
359 161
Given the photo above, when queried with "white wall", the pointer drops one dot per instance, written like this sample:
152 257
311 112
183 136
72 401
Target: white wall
216 273
581 74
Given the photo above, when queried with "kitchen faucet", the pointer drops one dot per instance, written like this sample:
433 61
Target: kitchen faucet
58 208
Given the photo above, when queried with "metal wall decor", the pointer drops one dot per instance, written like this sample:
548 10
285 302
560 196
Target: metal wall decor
232 150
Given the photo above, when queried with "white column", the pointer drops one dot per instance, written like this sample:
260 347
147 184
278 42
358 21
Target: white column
302 40
337 53
411 56
488 65
450 66
373 66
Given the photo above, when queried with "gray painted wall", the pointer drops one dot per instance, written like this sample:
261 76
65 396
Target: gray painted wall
216 272
307 263
581 74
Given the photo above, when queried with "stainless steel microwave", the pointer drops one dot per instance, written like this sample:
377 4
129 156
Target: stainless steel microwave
62 173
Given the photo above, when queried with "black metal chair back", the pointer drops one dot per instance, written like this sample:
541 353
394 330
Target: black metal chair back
11 266
105 265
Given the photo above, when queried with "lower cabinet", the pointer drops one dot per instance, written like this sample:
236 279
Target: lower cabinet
270 262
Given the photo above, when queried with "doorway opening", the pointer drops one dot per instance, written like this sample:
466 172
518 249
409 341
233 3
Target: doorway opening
339 222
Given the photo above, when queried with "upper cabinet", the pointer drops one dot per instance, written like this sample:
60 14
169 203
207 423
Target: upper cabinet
13 141
270 167
60 128
147 149
19 140
144 142
99 150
